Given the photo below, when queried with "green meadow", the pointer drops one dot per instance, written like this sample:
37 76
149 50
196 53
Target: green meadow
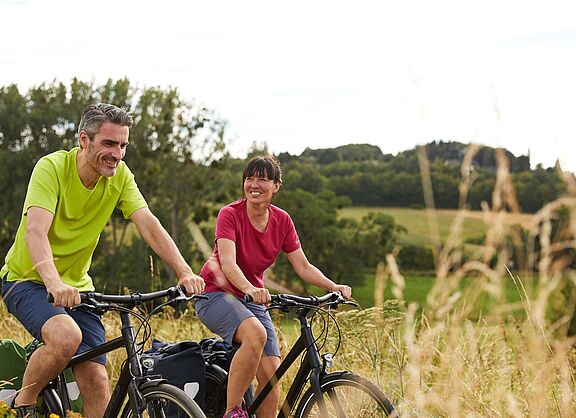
422 225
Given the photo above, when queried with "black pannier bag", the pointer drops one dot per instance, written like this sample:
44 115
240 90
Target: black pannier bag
181 364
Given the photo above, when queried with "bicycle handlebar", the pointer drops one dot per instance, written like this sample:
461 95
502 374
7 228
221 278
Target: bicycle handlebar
285 300
176 293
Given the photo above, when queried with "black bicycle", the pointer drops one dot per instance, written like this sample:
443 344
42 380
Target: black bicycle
148 396
329 394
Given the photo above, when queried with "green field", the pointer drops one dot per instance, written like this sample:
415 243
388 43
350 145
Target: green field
420 223
417 222
417 288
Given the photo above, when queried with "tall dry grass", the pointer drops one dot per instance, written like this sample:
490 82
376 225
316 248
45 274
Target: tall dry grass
469 352
515 359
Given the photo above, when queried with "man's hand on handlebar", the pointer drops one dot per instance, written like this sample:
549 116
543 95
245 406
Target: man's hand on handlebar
64 295
193 284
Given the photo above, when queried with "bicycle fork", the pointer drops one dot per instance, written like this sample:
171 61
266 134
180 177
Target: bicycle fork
130 375
312 366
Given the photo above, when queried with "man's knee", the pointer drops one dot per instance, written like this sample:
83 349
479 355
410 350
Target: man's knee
92 376
61 333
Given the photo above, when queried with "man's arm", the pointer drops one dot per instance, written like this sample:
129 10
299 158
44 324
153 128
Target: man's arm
37 227
160 241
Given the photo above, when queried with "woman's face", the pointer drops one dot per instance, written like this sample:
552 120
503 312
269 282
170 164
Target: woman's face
259 190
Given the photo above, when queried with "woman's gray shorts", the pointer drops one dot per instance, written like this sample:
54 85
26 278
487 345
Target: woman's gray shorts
223 313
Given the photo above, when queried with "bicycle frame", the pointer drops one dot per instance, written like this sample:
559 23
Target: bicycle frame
312 366
131 377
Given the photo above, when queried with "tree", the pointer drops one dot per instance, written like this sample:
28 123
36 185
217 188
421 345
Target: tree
315 217
344 249
177 152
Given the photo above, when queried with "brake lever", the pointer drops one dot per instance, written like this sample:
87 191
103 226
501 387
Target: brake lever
182 297
283 308
285 305
95 307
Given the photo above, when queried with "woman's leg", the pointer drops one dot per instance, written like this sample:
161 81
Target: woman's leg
251 335
268 365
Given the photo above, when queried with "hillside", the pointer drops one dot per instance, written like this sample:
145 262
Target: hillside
367 177
448 152
417 221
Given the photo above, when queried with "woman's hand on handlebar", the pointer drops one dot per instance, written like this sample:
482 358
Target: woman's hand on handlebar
193 284
345 290
259 295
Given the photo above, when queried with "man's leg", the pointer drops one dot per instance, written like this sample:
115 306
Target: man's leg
92 380
91 376
61 337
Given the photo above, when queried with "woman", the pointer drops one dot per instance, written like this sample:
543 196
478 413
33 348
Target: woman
250 233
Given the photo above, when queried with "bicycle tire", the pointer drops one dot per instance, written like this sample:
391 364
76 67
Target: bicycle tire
166 401
215 397
346 395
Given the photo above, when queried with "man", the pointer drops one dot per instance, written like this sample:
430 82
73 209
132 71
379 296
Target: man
70 198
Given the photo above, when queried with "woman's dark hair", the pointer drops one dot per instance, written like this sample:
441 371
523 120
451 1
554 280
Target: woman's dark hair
263 166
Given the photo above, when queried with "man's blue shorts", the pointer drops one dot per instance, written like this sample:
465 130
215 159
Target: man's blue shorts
222 313
28 302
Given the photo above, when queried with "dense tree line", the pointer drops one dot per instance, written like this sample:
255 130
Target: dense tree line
178 152
370 178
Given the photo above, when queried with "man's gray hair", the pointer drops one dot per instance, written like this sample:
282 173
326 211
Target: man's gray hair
95 115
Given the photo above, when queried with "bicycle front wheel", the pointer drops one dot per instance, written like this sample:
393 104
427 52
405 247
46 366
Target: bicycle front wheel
165 401
346 395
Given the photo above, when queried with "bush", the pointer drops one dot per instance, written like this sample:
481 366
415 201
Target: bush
416 257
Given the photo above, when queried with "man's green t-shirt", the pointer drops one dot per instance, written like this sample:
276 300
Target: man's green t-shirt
80 215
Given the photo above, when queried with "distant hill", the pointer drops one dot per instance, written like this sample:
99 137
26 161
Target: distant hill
368 177
452 152
449 152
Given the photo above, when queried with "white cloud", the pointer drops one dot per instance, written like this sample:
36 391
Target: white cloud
324 73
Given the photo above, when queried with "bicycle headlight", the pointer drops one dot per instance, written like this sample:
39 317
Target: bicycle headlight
147 362
327 360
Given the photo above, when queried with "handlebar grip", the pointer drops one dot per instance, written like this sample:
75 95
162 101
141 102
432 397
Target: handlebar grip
250 299
84 296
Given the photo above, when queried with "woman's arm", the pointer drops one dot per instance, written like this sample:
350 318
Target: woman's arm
311 274
227 255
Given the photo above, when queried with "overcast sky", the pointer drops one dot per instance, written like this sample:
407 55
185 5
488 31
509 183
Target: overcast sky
318 74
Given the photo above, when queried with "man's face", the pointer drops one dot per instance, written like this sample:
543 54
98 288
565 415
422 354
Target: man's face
107 148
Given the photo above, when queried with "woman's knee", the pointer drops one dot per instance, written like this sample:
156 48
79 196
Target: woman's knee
251 333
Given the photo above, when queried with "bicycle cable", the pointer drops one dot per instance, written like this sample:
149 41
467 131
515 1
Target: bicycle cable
321 310
144 325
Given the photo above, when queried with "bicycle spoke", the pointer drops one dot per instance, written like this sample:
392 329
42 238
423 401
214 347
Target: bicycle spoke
347 400
335 401
166 401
